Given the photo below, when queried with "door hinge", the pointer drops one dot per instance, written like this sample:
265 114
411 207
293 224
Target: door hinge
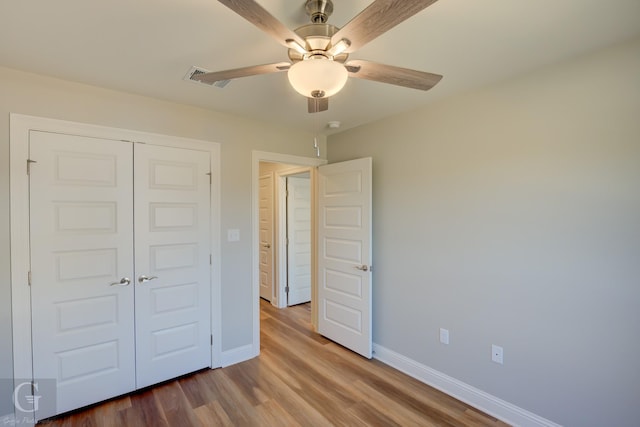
209 173
29 161
29 278
33 389
210 259
286 289
211 339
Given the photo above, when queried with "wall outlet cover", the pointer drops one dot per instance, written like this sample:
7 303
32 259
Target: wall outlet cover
497 354
444 336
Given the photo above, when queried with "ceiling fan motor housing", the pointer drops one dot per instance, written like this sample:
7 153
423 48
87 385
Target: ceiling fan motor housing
318 41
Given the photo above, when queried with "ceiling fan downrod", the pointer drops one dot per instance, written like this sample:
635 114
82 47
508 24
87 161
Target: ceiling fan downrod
319 10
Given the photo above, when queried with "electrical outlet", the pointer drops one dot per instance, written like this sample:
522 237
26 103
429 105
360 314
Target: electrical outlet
497 354
444 336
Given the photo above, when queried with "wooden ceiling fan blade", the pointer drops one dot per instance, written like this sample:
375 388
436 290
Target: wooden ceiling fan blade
258 16
216 76
316 105
393 75
378 18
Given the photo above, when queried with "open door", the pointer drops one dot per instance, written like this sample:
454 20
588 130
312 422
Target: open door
266 236
344 254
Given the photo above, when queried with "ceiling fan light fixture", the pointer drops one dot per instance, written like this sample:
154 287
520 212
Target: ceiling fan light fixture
296 46
317 75
339 47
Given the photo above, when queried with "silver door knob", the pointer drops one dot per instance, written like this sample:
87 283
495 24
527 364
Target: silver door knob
362 267
266 245
125 281
144 278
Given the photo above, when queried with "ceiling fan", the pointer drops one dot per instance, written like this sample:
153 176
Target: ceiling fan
319 51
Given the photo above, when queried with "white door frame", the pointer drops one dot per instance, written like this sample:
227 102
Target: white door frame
256 158
20 126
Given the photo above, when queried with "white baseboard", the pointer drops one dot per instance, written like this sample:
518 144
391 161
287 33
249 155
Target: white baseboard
470 395
237 355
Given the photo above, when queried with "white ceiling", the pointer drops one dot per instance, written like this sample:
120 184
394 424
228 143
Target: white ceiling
147 47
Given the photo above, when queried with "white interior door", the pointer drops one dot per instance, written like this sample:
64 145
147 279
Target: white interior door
82 289
344 254
299 239
172 278
266 236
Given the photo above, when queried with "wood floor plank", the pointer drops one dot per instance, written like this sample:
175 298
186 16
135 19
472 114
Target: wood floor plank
266 374
108 412
194 393
307 356
318 376
370 415
271 413
144 410
212 414
236 405
330 402
396 409
326 393
297 318
300 379
174 404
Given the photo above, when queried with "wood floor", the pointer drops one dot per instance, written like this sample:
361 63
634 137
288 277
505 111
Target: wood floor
300 379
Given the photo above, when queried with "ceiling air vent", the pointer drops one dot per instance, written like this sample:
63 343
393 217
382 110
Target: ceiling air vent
196 71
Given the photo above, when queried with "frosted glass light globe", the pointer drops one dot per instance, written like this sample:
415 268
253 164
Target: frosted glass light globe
318 78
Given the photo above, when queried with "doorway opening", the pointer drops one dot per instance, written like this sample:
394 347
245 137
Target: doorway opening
341 220
285 233
279 166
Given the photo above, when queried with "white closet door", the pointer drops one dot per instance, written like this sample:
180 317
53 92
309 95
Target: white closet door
81 249
172 237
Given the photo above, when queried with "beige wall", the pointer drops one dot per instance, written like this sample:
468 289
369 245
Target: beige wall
511 216
47 97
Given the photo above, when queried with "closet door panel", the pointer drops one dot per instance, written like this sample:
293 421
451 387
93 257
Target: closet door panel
81 227
172 235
